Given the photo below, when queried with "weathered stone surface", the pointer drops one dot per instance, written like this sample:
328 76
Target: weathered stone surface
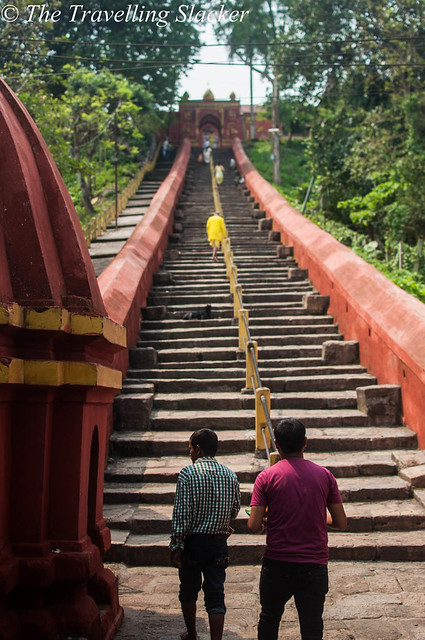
163 277
414 475
378 605
409 458
171 254
340 352
381 403
297 274
265 224
157 312
274 236
258 214
284 252
174 238
177 227
132 411
315 304
143 358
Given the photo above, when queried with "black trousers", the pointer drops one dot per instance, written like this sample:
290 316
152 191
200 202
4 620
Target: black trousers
279 581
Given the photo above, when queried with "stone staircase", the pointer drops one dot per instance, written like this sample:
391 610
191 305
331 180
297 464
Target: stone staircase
187 374
105 247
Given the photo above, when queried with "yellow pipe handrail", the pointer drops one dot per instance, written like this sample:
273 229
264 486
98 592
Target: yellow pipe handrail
97 225
263 425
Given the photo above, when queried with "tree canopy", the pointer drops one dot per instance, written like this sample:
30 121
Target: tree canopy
90 74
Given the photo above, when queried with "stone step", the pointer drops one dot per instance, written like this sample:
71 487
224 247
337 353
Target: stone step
162 419
294 384
360 489
246 466
223 287
183 332
390 546
214 324
205 342
320 439
176 370
230 400
230 353
142 517
225 297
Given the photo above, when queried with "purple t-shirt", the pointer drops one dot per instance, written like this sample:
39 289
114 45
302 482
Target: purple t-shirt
296 493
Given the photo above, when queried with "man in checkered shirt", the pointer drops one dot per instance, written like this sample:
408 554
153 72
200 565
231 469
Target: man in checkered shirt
207 498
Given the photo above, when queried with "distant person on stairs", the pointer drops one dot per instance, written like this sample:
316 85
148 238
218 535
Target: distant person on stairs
301 499
216 231
207 498
219 173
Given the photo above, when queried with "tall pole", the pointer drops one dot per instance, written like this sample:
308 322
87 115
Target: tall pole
116 167
276 127
252 103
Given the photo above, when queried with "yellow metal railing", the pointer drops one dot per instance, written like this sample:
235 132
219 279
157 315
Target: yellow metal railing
97 225
264 439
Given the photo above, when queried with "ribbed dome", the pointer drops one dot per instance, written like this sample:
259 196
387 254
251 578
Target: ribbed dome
44 260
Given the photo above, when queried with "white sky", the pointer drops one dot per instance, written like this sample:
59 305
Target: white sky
222 80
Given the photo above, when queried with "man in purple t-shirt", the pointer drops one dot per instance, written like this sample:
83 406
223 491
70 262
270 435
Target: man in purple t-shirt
301 499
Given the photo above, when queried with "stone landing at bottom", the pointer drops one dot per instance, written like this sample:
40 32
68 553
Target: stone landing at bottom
383 601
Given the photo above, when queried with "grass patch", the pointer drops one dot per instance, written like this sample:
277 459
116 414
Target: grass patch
294 171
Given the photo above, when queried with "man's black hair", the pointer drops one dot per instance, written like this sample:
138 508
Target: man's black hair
207 441
290 435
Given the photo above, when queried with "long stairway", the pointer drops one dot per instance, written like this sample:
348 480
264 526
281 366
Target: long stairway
187 373
106 246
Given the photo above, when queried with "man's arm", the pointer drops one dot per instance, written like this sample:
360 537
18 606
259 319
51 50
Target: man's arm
181 519
256 520
336 517
236 501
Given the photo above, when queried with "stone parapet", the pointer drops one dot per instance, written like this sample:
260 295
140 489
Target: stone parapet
388 323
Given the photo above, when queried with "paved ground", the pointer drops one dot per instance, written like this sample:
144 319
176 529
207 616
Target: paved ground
366 601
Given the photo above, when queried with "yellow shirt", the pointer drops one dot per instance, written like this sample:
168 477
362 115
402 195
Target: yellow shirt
216 229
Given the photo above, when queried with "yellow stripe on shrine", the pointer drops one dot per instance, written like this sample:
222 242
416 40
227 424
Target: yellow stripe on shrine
58 319
52 373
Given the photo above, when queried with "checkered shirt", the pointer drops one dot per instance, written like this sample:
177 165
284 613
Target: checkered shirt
207 498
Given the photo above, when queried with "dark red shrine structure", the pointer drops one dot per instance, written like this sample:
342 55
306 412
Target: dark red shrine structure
57 382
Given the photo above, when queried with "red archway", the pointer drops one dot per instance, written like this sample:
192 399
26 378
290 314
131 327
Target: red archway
210 129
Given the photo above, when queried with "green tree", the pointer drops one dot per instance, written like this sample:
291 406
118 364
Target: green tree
79 126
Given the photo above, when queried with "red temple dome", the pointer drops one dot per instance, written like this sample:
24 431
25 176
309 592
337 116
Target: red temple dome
44 260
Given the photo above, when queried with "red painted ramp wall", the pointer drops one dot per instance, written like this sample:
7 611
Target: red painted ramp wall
126 281
388 322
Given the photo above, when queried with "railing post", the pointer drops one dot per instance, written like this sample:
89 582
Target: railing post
274 457
237 297
250 370
261 429
243 324
232 274
226 249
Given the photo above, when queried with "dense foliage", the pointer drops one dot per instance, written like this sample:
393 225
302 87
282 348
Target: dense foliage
405 270
351 76
94 85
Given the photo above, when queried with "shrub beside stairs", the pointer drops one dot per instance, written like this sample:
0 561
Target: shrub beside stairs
188 373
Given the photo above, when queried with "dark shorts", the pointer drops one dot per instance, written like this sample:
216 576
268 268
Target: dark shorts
204 560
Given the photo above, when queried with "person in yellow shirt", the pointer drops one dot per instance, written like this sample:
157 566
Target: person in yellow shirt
216 231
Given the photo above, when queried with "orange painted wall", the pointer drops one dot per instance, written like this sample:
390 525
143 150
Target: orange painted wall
388 322
126 281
